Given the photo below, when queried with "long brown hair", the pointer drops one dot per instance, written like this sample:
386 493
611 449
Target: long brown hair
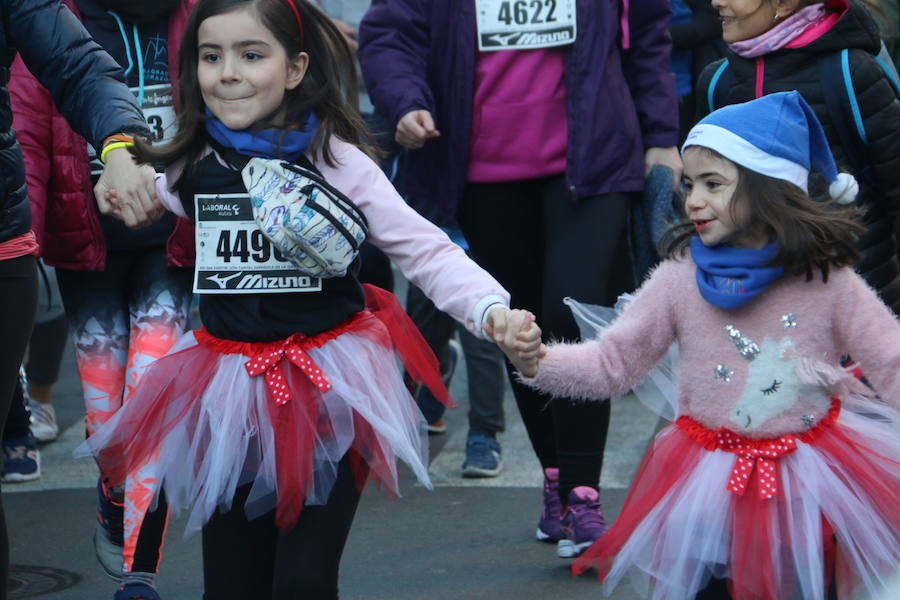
328 88
811 234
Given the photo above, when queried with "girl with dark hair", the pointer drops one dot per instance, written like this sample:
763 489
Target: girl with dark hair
266 423
809 46
779 476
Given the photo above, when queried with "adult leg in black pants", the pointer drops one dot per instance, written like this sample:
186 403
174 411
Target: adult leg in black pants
543 246
18 296
249 559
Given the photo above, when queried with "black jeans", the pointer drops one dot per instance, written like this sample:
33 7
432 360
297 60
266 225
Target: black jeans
484 365
543 246
18 299
249 559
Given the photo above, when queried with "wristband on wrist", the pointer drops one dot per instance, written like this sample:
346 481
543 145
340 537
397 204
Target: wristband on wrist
118 137
113 146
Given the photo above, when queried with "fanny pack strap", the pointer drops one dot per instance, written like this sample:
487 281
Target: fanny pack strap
238 161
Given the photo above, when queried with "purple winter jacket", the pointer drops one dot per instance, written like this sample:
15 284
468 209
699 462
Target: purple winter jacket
420 54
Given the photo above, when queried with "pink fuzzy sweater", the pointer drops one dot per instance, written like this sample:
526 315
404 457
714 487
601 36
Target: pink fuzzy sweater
800 329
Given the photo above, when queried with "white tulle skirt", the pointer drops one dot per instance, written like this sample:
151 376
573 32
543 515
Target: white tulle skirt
835 516
210 426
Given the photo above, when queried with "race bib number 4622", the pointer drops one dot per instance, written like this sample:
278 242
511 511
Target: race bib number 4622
524 24
233 255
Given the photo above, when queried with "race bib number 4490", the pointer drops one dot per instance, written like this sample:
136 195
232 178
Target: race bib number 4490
233 255
524 24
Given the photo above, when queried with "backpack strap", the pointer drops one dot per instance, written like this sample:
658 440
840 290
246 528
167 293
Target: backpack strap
719 85
883 59
843 110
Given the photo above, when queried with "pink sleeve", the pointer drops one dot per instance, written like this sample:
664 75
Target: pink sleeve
868 331
423 252
611 365
170 199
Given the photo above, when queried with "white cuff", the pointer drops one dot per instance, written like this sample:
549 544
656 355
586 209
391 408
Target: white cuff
481 310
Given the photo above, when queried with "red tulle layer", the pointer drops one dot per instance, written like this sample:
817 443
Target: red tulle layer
762 544
298 425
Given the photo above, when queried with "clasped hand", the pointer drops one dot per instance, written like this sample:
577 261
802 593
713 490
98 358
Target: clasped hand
517 334
127 191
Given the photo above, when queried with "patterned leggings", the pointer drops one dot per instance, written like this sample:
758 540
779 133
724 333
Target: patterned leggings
121 320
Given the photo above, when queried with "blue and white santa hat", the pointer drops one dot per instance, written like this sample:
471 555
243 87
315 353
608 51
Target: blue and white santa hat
777 135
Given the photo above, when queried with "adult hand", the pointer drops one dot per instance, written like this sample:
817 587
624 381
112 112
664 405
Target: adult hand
134 199
349 33
667 157
415 128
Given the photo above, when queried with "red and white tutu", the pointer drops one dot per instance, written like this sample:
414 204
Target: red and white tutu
779 518
215 414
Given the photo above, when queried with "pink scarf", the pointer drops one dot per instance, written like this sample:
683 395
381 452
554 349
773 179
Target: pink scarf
799 29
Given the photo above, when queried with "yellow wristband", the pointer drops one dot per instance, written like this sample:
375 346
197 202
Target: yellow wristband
113 146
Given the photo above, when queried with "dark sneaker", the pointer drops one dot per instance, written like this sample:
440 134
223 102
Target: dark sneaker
21 460
431 408
110 530
548 529
136 591
582 522
483 457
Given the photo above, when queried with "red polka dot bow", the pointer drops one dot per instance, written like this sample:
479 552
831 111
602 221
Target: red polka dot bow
760 454
268 363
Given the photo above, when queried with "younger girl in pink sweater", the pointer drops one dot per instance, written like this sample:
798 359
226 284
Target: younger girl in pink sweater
779 477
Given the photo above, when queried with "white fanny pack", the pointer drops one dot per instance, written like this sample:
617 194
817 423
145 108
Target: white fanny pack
312 224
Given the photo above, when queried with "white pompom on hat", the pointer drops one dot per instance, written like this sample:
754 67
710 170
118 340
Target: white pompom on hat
777 135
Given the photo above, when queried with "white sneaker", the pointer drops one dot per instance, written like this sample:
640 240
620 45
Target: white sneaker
43 421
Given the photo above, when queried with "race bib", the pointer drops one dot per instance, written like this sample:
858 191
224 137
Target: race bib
524 24
233 255
159 112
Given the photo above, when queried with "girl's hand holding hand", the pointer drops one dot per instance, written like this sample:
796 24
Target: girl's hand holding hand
108 203
517 334
135 188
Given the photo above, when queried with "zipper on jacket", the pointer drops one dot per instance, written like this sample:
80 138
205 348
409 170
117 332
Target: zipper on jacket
760 76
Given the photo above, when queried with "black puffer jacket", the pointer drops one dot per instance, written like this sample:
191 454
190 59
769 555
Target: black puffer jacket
86 85
798 69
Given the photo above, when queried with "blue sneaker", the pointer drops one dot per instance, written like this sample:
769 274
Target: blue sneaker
109 534
21 460
482 457
136 591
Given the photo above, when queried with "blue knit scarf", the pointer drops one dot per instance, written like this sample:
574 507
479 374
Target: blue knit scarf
730 277
266 143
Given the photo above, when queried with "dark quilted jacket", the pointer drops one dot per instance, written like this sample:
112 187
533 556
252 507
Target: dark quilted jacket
798 69
85 83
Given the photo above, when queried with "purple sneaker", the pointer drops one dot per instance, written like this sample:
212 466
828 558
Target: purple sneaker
582 522
548 529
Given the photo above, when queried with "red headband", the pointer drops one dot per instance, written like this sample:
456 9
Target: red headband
299 21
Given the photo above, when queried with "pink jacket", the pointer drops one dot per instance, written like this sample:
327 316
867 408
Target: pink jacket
64 214
801 330
423 252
